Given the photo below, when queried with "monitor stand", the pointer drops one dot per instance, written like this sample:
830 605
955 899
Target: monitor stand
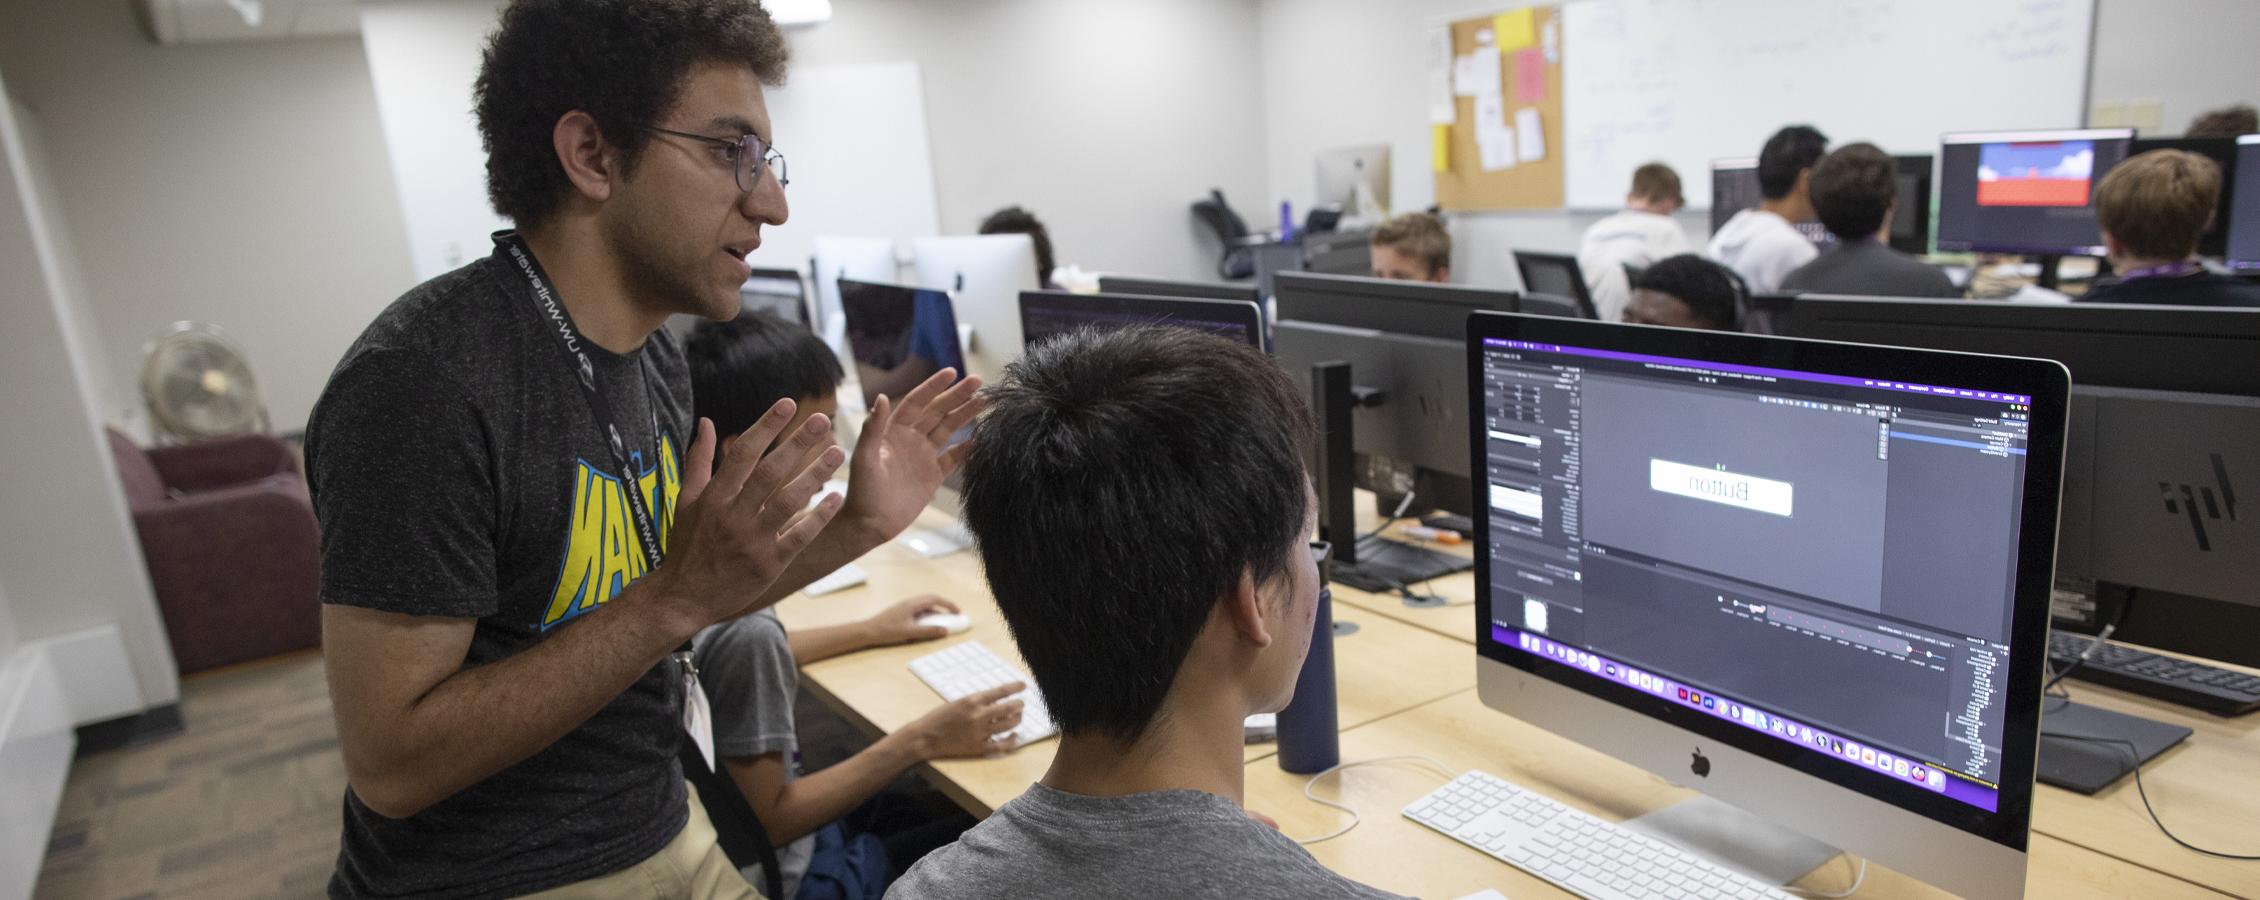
2086 749
1375 565
1731 837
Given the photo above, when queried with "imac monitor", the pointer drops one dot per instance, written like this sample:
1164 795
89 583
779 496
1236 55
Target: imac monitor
985 275
2024 191
1356 179
1189 290
1910 220
1810 580
1048 314
1734 188
834 258
898 336
2243 241
2222 151
776 291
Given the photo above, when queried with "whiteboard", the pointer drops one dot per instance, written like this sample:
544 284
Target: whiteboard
1689 81
855 145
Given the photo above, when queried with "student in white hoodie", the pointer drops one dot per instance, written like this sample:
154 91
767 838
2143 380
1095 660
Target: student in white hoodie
1761 244
1643 233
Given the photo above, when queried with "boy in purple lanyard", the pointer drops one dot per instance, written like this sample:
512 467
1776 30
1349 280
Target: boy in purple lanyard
2153 208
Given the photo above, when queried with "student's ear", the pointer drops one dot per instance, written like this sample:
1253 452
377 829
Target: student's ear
1804 186
583 152
2111 248
1244 609
1442 275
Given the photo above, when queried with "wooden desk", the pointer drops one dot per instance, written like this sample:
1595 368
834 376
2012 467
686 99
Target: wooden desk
1391 852
1385 668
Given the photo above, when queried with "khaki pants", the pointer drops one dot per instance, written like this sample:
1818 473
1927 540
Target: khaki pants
690 867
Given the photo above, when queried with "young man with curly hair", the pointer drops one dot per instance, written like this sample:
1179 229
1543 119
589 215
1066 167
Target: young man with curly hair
516 540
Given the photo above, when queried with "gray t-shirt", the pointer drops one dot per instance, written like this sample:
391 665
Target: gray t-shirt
1866 267
750 677
1183 845
458 472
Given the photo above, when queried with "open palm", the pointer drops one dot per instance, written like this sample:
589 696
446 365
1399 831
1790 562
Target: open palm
904 454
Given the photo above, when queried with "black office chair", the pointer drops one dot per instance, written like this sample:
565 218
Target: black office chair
1767 313
1231 231
1554 305
1556 274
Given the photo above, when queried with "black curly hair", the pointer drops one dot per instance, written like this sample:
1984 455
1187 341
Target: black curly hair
620 61
1711 291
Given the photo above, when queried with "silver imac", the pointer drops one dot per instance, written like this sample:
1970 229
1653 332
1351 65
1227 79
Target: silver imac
984 275
1809 580
1355 179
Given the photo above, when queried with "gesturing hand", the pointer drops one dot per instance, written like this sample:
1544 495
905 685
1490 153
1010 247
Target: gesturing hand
898 624
737 530
899 459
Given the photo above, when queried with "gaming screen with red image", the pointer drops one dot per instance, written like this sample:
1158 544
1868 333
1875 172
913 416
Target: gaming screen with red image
2024 192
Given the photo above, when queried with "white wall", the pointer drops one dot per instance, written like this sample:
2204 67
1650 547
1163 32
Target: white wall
423 58
242 184
2189 56
68 554
1105 118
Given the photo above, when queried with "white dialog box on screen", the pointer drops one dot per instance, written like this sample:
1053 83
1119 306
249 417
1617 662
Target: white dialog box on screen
1721 486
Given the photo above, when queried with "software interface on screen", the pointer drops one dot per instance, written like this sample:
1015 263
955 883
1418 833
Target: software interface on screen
2244 217
2023 193
1043 322
1827 560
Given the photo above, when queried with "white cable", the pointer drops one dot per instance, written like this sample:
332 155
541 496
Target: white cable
1355 818
1857 880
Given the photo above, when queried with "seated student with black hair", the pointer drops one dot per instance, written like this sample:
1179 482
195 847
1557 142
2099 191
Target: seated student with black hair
1014 220
1412 247
1855 192
836 834
1142 511
1761 244
2153 208
1687 291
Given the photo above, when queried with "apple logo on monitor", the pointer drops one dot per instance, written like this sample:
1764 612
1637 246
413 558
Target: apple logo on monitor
1701 765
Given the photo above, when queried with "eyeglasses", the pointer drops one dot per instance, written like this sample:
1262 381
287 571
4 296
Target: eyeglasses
1321 551
747 156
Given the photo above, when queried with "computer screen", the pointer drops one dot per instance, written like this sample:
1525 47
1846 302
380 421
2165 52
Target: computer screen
2024 191
2243 244
1734 188
1910 220
2222 151
1048 314
898 336
1824 559
776 291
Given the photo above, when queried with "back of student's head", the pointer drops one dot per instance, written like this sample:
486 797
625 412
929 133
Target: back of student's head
1853 188
1711 292
2226 121
1119 484
2157 204
1790 151
1014 220
742 367
1420 238
1657 184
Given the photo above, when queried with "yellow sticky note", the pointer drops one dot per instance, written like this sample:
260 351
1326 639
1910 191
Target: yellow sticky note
1512 31
1440 147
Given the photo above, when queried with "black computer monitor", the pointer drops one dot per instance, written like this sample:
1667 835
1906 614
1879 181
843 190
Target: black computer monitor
1191 290
1048 314
1734 188
1820 569
2222 151
2164 397
898 336
2243 241
778 291
1404 396
1557 274
2024 191
1910 221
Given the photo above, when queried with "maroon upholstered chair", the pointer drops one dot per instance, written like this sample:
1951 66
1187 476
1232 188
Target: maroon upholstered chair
231 543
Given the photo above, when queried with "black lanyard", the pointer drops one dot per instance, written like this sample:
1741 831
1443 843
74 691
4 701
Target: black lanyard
569 338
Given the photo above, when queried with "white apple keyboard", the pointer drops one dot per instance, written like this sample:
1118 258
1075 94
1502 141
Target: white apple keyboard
841 579
1576 852
954 623
970 668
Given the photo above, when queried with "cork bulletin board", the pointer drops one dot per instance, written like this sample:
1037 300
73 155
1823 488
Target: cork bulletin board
1487 158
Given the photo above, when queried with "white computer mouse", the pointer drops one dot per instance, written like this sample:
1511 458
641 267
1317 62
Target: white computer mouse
953 622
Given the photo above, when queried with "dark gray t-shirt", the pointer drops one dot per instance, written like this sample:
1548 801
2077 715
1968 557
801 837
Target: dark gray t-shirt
1866 267
746 666
1184 845
457 471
